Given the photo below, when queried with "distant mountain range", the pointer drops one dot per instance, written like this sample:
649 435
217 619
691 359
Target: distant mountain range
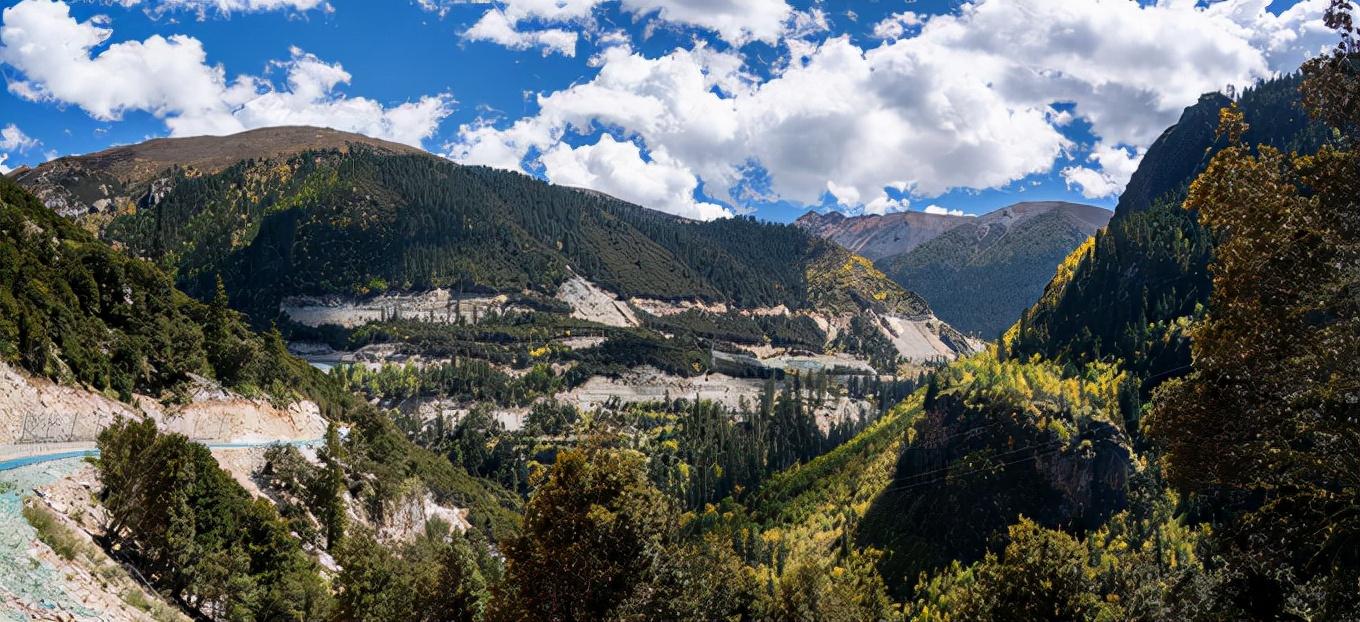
977 273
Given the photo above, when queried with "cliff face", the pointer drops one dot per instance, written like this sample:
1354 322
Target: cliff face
38 416
997 441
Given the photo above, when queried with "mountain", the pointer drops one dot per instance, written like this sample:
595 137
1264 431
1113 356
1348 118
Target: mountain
1123 294
979 273
981 449
75 311
349 218
101 185
876 237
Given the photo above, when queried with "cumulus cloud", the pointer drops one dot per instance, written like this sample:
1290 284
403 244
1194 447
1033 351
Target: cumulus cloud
495 26
735 22
525 24
896 25
171 79
4 170
618 168
1116 166
886 205
843 121
14 139
965 101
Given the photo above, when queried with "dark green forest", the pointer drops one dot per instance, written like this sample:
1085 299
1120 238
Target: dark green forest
367 221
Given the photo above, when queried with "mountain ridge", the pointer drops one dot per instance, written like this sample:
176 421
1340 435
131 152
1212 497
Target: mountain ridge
120 177
977 272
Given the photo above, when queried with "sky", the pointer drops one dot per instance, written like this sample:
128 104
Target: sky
702 108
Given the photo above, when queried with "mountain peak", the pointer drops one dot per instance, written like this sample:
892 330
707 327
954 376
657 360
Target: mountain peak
878 236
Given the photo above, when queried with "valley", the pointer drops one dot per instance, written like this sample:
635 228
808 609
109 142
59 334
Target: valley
309 375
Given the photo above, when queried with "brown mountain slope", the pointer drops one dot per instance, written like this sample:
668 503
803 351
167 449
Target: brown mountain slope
876 237
96 186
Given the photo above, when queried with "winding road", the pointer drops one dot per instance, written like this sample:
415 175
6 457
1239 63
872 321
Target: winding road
29 587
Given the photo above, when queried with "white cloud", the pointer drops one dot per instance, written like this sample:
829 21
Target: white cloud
1117 165
896 25
14 139
966 102
935 209
171 79
844 119
618 168
226 7
4 170
885 205
735 22
525 24
496 27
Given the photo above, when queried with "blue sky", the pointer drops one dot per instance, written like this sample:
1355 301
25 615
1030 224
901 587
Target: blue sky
698 107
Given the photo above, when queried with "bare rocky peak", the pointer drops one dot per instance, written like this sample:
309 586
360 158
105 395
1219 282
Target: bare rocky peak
879 236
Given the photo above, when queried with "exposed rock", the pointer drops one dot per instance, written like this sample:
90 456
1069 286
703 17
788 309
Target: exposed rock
647 384
39 416
407 516
438 306
591 302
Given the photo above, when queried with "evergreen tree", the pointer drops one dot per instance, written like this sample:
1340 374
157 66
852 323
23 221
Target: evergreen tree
1266 425
331 498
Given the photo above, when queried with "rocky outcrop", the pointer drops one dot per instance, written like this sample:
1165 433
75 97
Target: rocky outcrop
439 306
592 303
646 384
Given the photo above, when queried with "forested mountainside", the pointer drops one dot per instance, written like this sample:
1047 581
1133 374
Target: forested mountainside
980 275
414 222
1047 481
76 311
445 260
1127 294
1060 474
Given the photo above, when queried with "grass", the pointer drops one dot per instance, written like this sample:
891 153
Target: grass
64 541
158 610
69 545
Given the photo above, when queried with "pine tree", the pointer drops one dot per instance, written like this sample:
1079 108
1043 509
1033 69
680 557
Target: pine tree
331 497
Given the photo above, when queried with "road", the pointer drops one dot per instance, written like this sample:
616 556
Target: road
15 456
31 588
